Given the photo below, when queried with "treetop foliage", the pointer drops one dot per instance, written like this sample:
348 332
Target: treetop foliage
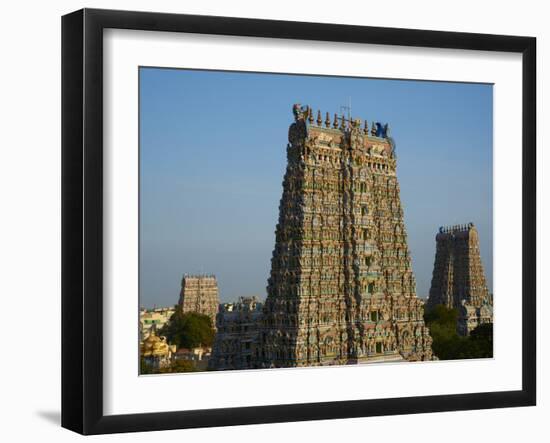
188 330
448 345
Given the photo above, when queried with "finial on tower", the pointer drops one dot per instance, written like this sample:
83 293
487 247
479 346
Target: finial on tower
366 128
335 123
310 115
319 118
327 121
373 129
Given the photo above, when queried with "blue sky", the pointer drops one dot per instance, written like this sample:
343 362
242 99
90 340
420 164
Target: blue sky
213 156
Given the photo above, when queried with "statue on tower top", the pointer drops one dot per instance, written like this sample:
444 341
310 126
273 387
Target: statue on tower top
300 112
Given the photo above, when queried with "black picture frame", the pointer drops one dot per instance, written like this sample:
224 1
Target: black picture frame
82 219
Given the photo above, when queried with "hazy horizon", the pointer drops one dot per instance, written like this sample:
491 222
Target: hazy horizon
213 157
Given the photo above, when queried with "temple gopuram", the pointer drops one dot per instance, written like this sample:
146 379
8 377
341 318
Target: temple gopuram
199 293
458 279
341 288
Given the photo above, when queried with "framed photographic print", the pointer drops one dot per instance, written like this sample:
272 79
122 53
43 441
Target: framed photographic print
269 221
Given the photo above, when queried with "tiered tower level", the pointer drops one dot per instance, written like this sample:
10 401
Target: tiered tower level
458 279
341 288
199 293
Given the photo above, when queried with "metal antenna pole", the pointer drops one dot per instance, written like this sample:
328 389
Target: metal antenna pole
347 108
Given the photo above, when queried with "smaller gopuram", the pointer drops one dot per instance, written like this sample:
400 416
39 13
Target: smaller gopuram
199 293
458 279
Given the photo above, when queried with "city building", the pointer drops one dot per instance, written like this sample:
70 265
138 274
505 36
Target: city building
235 344
341 288
149 318
199 356
193 354
458 279
199 293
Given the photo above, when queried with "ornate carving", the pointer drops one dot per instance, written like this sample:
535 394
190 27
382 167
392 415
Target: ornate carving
341 288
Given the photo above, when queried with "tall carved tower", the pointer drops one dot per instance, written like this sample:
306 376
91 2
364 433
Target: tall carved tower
458 279
341 288
199 293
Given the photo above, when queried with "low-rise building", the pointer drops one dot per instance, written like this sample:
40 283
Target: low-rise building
193 354
156 317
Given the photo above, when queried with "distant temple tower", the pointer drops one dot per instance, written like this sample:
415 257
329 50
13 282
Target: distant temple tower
458 279
199 293
341 288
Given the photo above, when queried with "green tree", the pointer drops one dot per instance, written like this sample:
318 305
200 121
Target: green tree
443 316
188 330
448 345
442 323
482 338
